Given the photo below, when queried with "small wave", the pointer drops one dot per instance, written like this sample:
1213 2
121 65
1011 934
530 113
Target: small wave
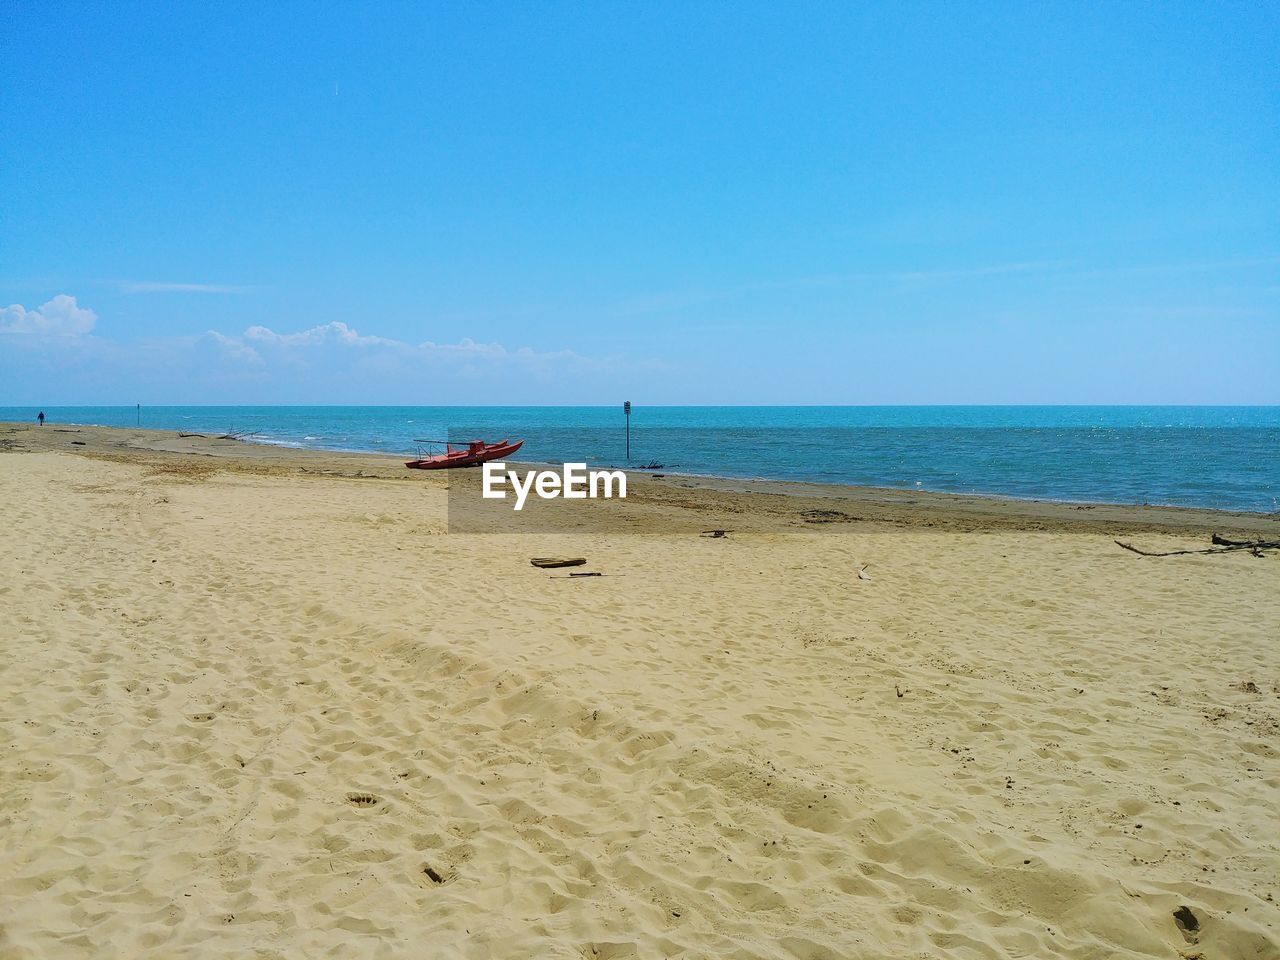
273 442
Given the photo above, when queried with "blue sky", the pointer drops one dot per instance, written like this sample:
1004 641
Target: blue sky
676 203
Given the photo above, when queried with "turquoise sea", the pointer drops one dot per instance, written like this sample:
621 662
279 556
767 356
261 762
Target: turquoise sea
1221 457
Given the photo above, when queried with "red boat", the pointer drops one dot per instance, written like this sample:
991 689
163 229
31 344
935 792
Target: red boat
475 452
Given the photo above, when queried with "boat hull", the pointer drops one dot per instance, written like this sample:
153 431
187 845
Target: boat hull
473 456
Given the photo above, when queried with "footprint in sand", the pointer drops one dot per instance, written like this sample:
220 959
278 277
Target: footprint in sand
1187 922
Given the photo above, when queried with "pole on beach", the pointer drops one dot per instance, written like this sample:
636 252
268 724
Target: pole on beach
139 414
626 409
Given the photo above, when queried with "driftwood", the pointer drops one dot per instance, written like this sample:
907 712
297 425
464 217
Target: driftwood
1222 545
1222 541
200 435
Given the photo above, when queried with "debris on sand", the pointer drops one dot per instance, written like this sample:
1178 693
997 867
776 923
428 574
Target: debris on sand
1221 545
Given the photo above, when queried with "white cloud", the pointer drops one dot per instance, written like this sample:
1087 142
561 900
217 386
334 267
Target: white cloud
329 332
234 348
328 363
340 334
468 349
160 286
60 317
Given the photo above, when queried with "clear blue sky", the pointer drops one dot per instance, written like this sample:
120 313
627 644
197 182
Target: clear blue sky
672 202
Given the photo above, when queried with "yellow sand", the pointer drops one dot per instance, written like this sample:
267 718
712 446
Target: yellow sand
256 705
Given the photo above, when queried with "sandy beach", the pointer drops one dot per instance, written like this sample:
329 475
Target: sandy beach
258 702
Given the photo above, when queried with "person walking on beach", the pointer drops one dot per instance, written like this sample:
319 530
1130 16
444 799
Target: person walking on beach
40 417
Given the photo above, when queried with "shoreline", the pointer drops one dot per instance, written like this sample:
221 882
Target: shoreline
875 504
1087 498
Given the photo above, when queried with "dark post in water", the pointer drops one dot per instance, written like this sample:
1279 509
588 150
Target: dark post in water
626 408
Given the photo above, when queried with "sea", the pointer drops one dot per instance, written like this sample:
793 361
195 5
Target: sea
1218 457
